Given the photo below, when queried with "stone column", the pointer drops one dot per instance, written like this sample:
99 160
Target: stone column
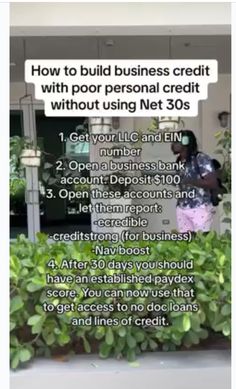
97 125
32 181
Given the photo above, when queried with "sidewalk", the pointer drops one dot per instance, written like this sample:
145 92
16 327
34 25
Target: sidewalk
172 370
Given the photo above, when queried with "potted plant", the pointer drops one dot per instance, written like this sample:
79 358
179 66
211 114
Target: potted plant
23 153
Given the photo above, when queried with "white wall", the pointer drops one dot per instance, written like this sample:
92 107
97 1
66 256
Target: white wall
103 14
17 90
218 101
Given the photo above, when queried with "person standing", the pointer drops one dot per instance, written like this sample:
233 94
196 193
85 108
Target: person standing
194 214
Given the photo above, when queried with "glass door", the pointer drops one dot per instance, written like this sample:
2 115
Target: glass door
58 214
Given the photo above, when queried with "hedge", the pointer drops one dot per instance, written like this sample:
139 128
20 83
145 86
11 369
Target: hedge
35 332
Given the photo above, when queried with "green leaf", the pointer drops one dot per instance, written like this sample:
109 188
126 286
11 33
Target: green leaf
134 364
226 310
222 259
200 285
186 323
195 322
15 360
109 338
131 356
152 344
34 320
12 325
203 333
37 328
33 287
213 306
48 165
226 329
16 304
49 337
194 337
144 345
24 355
100 333
104 350
45 176
63 338
203 297
87 347
14 341
221 278
122 332
52 181
139 336
131 341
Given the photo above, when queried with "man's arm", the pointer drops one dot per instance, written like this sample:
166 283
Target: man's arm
209 181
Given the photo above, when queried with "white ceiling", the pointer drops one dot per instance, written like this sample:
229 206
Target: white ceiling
124 47
39 18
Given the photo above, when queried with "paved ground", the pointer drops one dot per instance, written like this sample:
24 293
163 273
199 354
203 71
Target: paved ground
173 370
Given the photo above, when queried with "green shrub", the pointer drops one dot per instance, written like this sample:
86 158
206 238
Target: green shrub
34 332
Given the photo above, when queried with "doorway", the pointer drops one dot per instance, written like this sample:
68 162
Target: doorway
57 214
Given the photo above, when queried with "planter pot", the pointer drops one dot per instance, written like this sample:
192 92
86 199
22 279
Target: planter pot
30 157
